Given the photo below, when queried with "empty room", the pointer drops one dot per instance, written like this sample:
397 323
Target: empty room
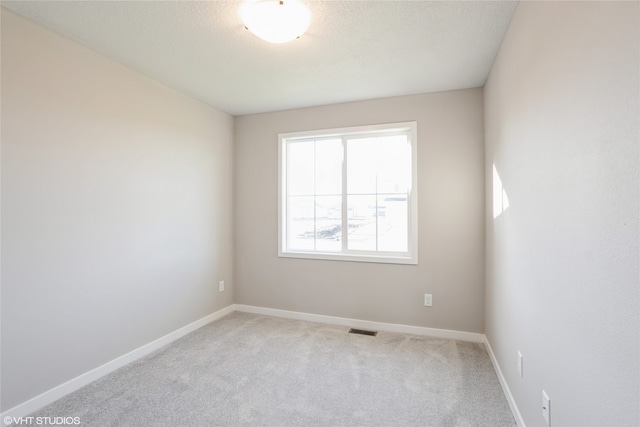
320 213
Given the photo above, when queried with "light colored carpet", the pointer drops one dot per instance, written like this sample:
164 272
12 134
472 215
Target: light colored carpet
251 370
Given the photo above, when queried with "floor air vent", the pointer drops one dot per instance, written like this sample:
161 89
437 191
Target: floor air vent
363 332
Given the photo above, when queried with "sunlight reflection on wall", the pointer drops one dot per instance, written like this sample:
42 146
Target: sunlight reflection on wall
500 199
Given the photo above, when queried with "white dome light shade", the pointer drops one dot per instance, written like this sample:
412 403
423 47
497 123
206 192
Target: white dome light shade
276 21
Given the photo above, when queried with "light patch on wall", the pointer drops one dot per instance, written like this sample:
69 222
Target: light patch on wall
500 199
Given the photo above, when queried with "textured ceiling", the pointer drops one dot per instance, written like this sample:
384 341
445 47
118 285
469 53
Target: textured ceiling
353 50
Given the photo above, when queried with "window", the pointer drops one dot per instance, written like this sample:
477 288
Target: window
349 194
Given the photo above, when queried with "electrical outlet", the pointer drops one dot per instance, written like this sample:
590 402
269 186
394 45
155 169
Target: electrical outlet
428 300
221 286
520 364
546 408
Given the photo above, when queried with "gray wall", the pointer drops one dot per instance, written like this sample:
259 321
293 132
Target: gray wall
562 110
116 210
451 219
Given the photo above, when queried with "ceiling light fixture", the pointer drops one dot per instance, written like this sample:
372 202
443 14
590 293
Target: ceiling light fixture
276 21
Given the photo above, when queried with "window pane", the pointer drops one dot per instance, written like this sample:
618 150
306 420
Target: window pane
328 223
394 164
301 222
378 165
361 220
328 167
361 166
300 167
393 223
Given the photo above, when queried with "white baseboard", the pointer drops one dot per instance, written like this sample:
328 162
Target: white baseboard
505 387
364 324
74 384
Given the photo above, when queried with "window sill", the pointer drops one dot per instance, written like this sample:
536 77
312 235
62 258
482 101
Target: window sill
380 259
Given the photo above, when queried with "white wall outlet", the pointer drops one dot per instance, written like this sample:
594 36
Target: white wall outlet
520 364
221 286
428 300
546 408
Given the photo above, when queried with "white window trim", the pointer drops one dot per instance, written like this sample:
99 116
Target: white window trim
412 255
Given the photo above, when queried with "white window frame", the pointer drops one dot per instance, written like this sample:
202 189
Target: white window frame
411 256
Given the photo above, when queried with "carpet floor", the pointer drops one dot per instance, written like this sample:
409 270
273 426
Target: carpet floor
252 370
